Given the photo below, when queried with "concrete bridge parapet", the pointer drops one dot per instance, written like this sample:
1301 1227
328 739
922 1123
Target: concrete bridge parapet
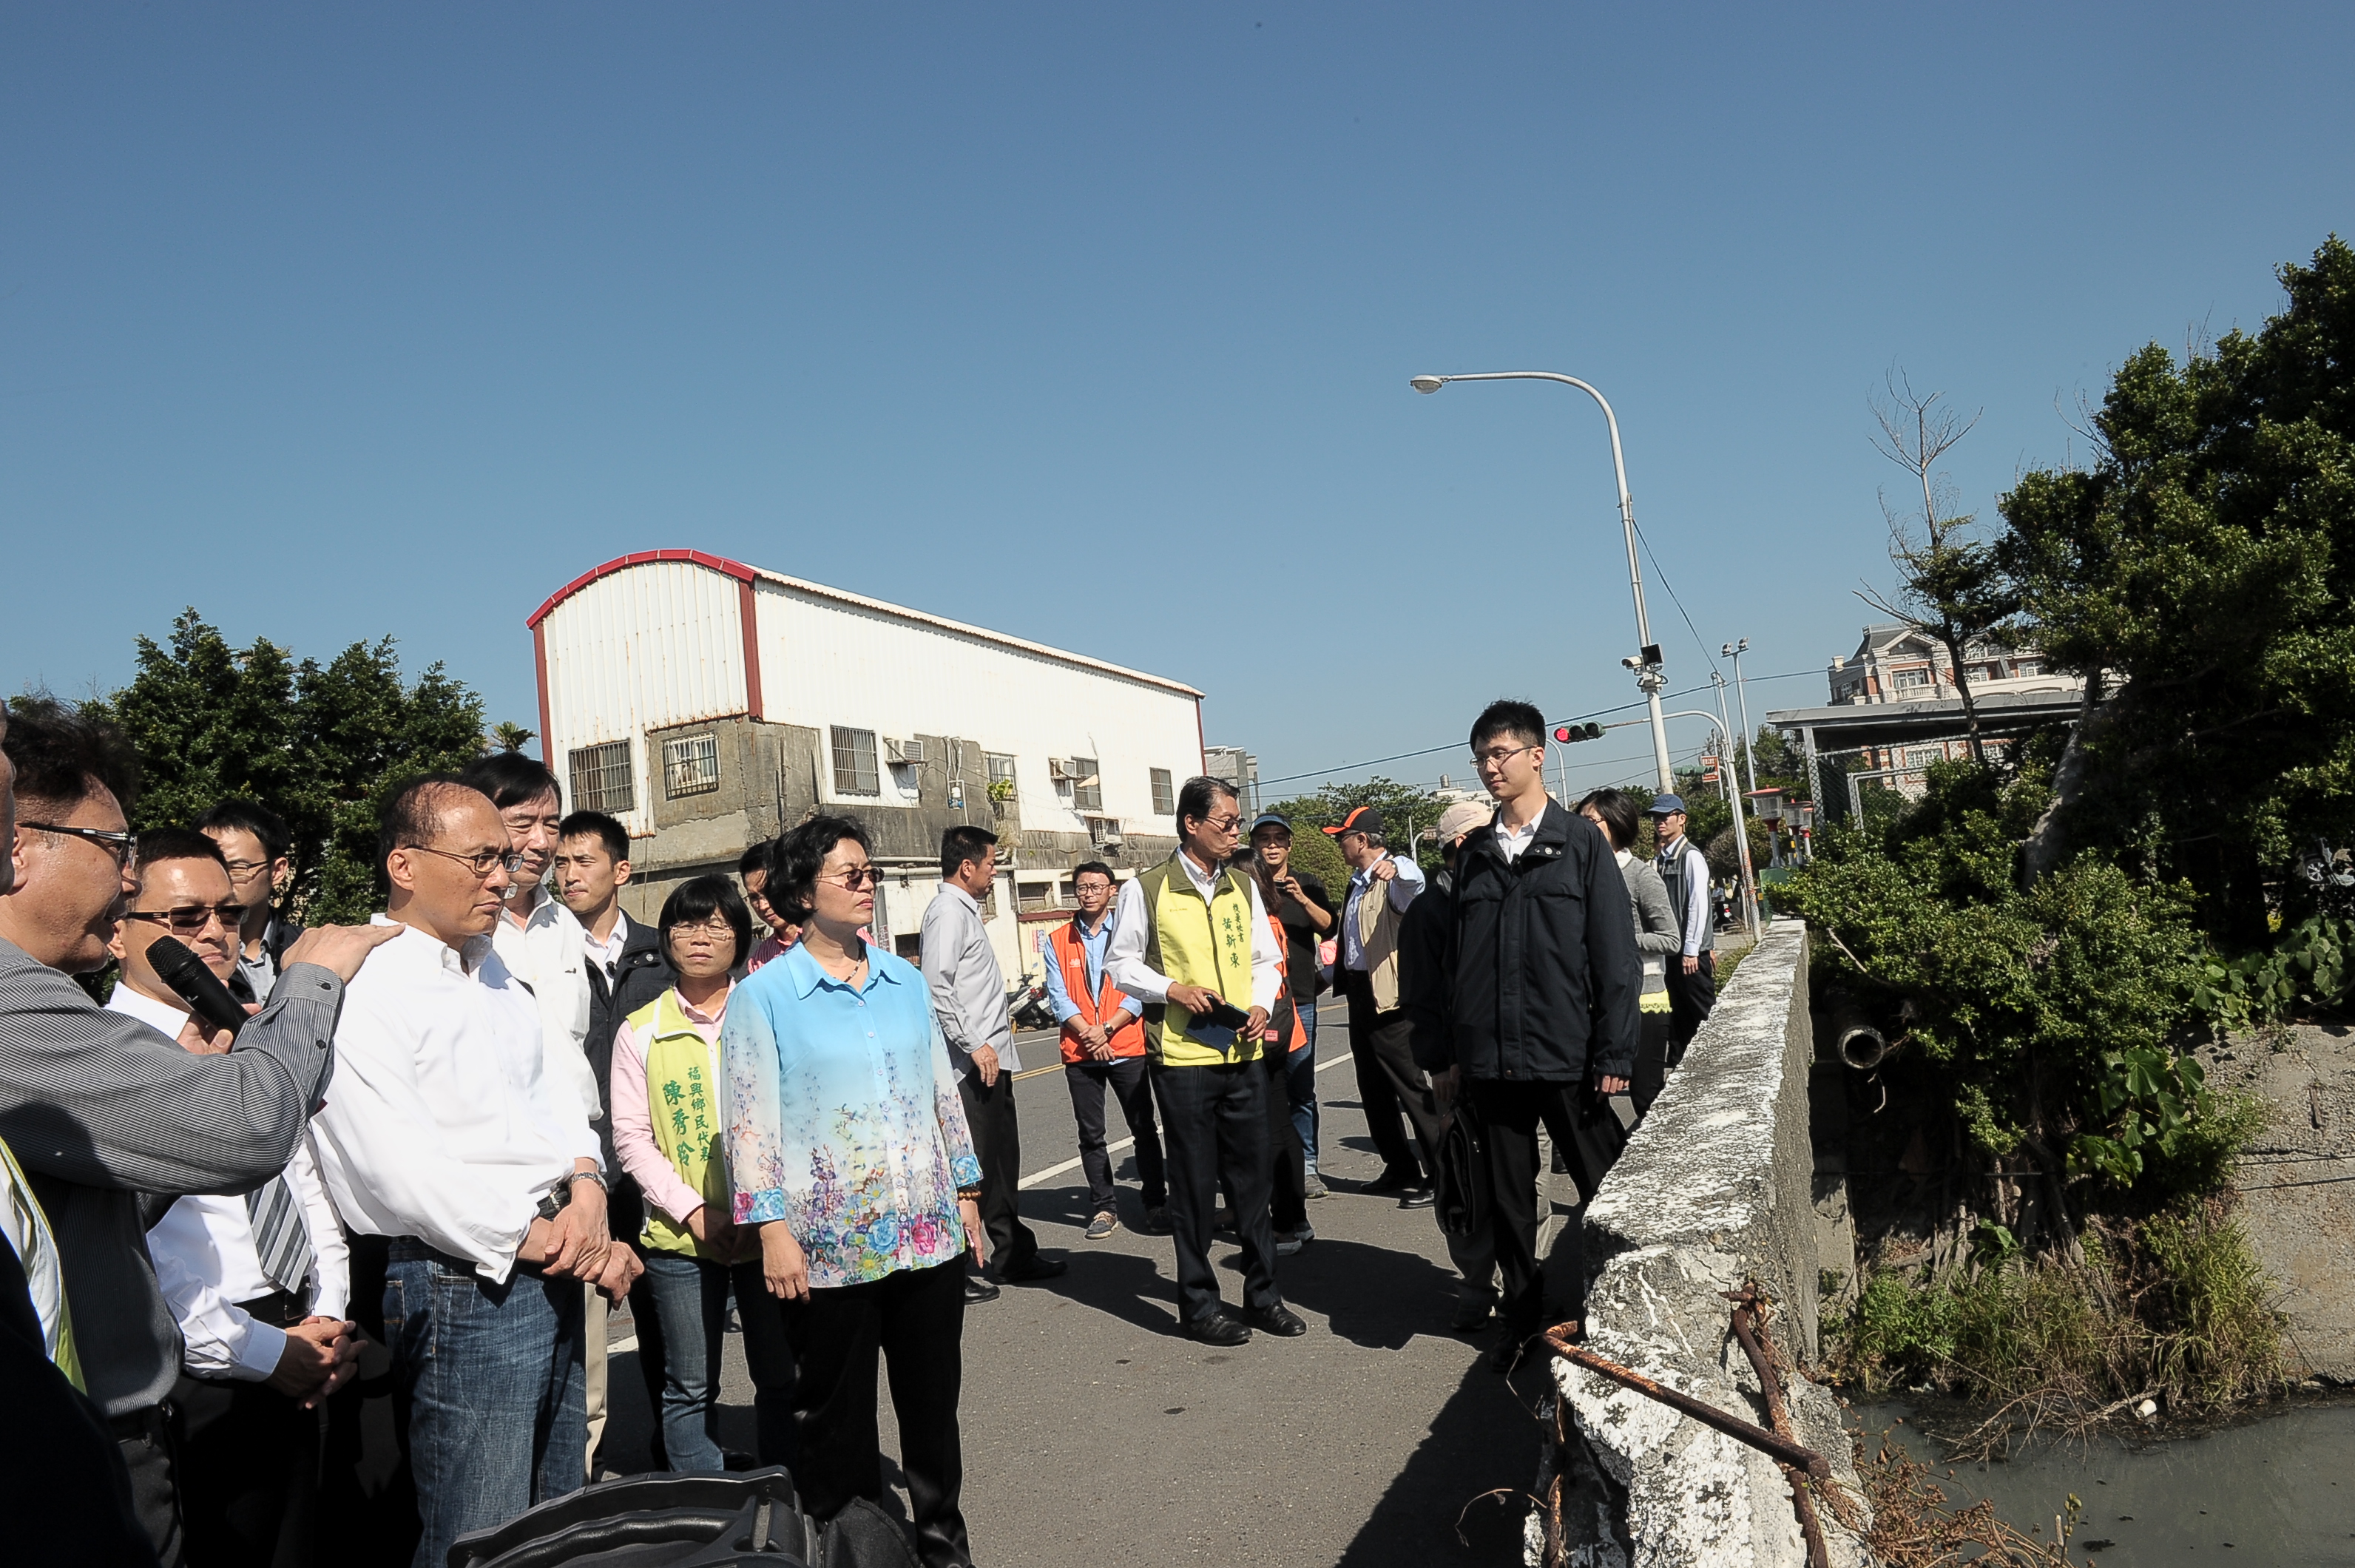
1715 1189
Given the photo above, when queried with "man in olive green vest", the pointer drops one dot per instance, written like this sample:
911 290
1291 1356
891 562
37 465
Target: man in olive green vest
1191 941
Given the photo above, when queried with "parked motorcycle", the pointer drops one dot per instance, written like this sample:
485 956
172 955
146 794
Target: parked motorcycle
1026 999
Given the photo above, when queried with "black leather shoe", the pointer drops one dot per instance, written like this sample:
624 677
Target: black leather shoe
1036 1269
1220 1329
1509 1351
1394 1180
1279 1321
978 1290
1471 1312
1419 1198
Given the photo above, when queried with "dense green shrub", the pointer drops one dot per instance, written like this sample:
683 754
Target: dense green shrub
2175 1306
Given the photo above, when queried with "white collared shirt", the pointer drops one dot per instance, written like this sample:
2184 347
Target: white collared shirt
204 1258
607 953
1511 841
549 953
443 1120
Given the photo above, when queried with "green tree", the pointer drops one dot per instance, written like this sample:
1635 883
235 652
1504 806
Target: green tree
320 744
510 736
2199 574
1403 807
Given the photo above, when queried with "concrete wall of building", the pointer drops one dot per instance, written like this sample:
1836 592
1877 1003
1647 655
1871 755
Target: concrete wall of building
1715 1190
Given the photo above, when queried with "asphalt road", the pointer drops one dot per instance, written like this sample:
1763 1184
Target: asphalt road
1096 1437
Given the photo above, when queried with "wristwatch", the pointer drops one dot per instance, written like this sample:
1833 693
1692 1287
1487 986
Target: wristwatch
596 1176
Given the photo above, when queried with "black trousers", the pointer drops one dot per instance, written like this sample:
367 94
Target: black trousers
625 1217
915 1319
1288 1172
1389 1085
249 1475
1691 997
1651 1073
1124 1076
149 1442
1509 1114
1216 1119
998 1144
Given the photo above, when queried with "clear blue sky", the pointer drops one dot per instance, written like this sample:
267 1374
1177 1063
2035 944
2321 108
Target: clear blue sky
1093 323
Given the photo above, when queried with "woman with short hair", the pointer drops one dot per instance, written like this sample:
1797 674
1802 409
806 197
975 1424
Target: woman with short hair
668 1121
849 1152
1656 937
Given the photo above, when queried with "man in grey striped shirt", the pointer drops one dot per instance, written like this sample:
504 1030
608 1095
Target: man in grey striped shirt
101 1108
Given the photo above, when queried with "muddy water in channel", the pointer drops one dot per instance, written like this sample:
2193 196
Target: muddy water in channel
2275 1491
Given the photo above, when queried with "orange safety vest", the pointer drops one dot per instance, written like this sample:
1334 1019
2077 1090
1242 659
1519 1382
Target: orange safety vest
1293 1034
1073 959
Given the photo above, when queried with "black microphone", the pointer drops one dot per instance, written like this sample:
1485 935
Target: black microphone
198 985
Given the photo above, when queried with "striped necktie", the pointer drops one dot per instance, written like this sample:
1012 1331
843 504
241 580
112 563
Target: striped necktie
279 1239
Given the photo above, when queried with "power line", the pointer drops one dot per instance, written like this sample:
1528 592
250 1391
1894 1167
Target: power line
1597 713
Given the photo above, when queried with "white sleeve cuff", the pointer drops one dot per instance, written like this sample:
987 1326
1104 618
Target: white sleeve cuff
257 1357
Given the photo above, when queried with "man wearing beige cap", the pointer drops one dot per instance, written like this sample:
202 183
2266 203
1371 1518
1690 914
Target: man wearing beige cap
1423 994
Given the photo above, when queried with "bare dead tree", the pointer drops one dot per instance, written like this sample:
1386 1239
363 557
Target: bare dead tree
1949 582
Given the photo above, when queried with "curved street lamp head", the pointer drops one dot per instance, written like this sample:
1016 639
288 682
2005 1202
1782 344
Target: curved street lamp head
1726 651
1426 383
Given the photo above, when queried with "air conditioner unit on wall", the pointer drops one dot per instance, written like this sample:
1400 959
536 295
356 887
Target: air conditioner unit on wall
1058 768
905 753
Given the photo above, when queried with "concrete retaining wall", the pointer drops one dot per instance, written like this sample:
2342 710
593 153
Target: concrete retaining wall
1716 1188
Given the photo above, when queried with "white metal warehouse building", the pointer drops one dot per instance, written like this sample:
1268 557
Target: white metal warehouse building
709 704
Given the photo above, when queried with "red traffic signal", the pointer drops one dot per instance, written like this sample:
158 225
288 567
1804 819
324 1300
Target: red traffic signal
1589 730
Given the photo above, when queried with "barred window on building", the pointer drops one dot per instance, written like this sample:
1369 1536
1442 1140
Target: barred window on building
1001 774
690 765
602 778
1087 785
855 769
1165 795
1905 679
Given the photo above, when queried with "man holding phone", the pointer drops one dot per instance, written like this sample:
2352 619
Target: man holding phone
1300 905
1192 941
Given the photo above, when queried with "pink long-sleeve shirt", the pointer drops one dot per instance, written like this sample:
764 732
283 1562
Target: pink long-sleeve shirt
634 1128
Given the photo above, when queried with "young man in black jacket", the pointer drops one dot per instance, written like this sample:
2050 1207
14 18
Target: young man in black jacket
626 969
1545 1017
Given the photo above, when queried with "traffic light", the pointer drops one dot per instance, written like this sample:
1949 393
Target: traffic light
1566 733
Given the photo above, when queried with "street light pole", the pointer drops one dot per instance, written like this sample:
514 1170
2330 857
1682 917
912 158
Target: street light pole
1649 676
1741 822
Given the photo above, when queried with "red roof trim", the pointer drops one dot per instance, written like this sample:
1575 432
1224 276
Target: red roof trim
735 569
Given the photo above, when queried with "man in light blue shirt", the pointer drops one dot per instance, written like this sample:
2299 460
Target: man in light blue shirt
1104 1048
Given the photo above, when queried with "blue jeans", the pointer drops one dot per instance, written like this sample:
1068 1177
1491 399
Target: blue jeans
690 1298
496 1389
1300 1088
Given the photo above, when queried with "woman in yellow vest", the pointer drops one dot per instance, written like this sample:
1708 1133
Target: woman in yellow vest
669 1114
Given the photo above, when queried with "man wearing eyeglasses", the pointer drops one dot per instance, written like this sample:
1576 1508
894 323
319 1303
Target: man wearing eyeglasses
100 1108
254 841
449 1134
258 1283
1191 941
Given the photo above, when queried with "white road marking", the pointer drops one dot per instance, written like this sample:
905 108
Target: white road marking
1036 1176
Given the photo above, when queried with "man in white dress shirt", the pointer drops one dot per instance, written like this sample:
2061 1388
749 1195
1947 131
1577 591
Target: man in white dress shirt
257 1283
447 1132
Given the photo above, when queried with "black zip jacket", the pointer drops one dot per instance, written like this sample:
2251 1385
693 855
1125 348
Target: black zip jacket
1545 977
641 975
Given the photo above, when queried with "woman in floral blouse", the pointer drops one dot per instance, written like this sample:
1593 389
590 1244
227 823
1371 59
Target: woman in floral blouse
847 1147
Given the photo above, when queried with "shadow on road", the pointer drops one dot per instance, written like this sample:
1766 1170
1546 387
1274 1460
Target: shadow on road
1484 1441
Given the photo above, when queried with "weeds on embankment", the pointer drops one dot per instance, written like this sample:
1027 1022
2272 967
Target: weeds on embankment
2172 1308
